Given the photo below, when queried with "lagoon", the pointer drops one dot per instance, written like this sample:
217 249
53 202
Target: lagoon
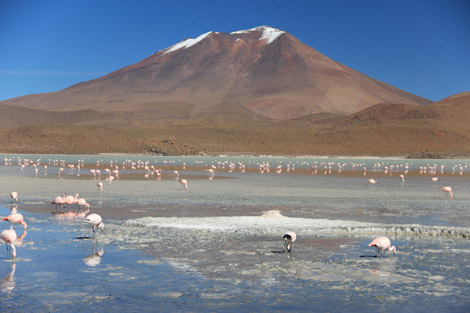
211 248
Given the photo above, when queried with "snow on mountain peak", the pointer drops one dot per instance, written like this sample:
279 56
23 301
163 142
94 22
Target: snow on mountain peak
187 43
269 33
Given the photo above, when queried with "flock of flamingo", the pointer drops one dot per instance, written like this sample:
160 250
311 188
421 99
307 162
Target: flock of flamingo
12 240
382 244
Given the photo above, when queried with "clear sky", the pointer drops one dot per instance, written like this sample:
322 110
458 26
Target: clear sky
421 46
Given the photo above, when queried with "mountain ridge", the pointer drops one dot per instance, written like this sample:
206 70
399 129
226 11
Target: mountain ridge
274 76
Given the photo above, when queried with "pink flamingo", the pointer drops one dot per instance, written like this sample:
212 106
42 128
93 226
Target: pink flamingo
100 186
289 239
16 218
9 237
402 177
448 190
371 181
14 196
184 182
434 179
59 201
95 221
82 203
94 173
382 243
69 200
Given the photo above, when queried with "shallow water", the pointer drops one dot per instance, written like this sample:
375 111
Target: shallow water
211 248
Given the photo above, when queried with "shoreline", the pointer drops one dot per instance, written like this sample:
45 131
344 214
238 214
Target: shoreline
241 155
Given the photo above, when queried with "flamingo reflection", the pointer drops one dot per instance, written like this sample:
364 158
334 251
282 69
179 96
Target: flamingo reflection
8 282
94 258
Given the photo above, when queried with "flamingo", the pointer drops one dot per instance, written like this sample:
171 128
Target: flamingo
382 243
14 196
100 186
448 190
95 221
402 177
434 179
289 238
9 237
69 200
59 201
16 218
184 182
371 181
82 203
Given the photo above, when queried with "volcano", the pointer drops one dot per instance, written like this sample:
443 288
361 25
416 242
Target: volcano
262 71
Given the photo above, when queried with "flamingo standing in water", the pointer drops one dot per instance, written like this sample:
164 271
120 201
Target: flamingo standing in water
289 238
14 196
95 221
82 203
9 237
448 190
184 182
100 186
59 201
69 200
382 243
371 181
16 218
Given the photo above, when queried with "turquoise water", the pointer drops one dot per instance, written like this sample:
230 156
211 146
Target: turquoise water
210 265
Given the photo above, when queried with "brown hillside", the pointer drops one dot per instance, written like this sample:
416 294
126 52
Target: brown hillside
439 130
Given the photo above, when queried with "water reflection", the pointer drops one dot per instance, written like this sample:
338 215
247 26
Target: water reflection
19 240
7 284
70 215
94 258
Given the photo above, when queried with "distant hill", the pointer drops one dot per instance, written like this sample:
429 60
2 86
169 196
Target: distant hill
439 130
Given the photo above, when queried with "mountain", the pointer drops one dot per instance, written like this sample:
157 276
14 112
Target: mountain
264 72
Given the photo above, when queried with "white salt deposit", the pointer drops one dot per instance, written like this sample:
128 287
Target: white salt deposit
273 222
269 222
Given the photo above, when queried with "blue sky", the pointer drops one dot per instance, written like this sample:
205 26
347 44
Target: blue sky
421 46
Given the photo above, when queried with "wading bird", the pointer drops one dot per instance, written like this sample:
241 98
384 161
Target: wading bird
382 243
16 218
448 190
14 196
9 237
289 239
184 182
59 201
95 221
69 200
